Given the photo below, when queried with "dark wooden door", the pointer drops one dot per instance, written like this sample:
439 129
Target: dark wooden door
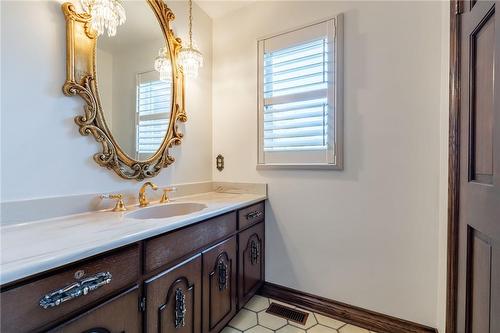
173 299
118 315
478 297
251 263
219 285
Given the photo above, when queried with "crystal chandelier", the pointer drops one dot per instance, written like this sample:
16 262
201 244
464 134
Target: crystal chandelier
189 57
106 14
163 65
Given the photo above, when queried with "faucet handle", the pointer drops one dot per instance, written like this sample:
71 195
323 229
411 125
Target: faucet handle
166 190
120 206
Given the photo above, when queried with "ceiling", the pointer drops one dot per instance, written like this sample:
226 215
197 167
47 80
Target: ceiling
216 9
140 28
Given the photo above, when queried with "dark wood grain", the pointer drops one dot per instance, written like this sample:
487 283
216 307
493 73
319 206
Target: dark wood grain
219 304
22 302
160 296
482 60
347 313
478 232
162 250
119 314
250 272
250 215
453 166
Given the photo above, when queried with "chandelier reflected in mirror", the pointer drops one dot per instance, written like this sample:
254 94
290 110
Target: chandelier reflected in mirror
106 15
163 64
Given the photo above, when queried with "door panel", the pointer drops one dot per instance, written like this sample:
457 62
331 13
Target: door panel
173 299
482 103
118 315
478 300
251 266
219 285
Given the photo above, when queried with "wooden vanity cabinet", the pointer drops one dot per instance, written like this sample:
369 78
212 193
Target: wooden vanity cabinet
173 299
219 285
251 262
21 310
189 280
120 314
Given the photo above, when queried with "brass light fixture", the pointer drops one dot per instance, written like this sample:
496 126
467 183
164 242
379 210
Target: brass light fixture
189 57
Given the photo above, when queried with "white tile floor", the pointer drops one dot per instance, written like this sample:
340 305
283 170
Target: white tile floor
254 319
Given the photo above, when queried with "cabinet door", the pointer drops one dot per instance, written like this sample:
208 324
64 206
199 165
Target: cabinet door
118 315
173 299
219 285
251 263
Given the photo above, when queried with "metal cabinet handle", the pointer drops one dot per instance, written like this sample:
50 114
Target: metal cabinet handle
97 330
254 252
180 308
74 290
254 214
223 277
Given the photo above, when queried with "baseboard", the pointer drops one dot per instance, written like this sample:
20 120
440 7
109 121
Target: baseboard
370 320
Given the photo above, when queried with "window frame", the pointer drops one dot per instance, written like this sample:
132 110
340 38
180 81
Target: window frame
145 155
335 159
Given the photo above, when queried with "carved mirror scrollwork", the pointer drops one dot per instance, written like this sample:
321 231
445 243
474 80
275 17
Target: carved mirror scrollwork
133 115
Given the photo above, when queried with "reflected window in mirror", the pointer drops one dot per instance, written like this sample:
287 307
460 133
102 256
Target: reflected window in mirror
154 98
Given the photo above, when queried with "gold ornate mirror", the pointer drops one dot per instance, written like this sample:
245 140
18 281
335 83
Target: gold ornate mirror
131 84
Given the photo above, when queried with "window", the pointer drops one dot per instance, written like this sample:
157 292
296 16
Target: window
300 97
154 99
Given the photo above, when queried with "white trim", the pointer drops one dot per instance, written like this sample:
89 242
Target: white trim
297 166
334 154
282 32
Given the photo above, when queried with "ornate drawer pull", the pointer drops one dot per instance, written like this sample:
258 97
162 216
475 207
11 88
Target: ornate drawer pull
254 252
180 308
222 268
254 214
75 290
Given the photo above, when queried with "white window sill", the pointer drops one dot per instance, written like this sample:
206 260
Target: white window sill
315 166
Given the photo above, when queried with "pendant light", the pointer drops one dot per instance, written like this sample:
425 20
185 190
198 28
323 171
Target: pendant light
190 58
162 64
106 15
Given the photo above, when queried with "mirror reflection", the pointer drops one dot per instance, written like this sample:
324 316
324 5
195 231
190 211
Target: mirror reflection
134 77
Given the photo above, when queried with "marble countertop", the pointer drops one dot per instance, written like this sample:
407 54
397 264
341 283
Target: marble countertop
34 247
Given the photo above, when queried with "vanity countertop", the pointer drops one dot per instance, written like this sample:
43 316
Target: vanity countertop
34 247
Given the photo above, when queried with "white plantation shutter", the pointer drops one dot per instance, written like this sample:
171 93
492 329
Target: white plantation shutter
154 99
297 97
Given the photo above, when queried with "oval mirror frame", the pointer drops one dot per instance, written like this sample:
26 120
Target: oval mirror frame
81 43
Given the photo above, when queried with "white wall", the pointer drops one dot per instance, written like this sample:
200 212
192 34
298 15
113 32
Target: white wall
368 235
443 166
42 153
127 63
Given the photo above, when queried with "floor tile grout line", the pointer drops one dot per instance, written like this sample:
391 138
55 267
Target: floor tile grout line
305 330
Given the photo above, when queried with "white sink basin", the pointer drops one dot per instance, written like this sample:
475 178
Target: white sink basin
167 210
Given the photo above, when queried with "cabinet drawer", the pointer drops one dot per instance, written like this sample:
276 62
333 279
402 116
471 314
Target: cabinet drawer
250 215
167 248
120 314
21 306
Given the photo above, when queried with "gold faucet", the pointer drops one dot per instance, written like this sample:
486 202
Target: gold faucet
120 206
143 200
164 197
